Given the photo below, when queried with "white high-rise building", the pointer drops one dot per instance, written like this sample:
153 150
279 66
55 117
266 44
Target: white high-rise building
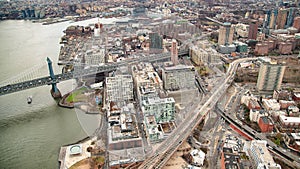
146 81
162 109
207 55
97 30
226 34
119 88
270 76
178 77
95 56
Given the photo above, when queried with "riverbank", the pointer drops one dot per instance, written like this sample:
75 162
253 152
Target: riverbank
62 102
55 21
81 154
81 98
26 128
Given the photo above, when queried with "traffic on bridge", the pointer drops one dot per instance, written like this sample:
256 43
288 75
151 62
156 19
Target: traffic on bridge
81 71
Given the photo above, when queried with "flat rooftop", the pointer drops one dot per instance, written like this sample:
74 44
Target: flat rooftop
160 101
178 67
286 119
296 136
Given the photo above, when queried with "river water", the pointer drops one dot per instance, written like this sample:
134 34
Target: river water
31 134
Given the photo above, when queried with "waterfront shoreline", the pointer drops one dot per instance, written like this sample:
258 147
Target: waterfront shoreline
63 151
84 106
62 103
41 123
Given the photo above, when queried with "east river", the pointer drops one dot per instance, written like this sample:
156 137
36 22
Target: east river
31 134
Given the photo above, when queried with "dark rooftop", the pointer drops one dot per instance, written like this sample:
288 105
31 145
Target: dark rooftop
265 119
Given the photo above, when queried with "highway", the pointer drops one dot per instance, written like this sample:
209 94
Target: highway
290 158
169 146
199 85
255 135
213 20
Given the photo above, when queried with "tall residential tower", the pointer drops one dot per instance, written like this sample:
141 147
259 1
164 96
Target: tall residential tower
281 18
174 52
253 29
226 34
270 76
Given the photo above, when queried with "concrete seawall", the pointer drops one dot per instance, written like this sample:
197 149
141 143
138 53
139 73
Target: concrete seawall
62 102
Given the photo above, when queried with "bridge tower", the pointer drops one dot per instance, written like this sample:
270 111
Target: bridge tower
54 91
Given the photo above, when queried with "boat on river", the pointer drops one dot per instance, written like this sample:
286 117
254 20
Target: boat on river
29 99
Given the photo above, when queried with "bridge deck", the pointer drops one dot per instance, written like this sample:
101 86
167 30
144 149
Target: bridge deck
81 72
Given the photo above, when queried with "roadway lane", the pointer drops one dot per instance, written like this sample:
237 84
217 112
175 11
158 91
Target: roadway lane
80 71
289 157
169 146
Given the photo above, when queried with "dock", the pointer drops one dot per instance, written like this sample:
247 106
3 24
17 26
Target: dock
61 157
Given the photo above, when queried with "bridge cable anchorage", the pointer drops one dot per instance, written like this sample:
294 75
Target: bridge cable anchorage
29 74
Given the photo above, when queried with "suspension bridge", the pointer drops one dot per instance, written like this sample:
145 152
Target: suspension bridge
32 77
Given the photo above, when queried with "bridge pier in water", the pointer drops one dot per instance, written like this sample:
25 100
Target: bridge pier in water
54 90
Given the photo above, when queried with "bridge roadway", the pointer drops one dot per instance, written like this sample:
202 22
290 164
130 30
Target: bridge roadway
213 20
169 146
288 157
80 71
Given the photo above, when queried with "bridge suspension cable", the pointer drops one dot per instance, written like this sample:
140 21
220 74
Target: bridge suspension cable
34 72
38 75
